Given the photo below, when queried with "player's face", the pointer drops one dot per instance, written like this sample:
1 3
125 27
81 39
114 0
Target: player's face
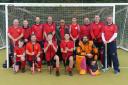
25 23
109 20
85 39
66 36
62 22
97 18
20 44
50 37
16 22
49 19
37 20
86 21
74 20
33 38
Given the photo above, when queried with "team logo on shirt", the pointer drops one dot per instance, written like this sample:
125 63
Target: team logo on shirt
75 27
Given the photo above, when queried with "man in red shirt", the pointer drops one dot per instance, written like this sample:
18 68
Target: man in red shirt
50 49
67 53
26 30
109 35
33 51
15 33
37 29
49 26
96 30
74 30
19 57
85 29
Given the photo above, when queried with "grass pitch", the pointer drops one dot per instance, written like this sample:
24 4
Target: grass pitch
7 77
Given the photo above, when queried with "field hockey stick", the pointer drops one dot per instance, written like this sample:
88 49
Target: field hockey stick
50 61
106 57
33 60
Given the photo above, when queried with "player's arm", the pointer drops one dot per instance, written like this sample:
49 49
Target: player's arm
114 35
9 35
91 32
20 36
46 48
28 53
54 47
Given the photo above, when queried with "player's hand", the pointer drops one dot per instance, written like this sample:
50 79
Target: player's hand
89 55
33 53
93 62
26 40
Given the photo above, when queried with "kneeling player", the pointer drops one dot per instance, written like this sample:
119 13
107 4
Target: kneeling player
19 57
88 52
33 50
50 49
67 53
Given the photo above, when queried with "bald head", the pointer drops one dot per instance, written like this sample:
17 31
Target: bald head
37 20
16 22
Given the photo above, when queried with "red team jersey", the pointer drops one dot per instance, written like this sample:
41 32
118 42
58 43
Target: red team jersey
74 30
27 32
15 32
19 51
50 53
109 30
69 44
38 31
96 30
85 31
49 28
29 47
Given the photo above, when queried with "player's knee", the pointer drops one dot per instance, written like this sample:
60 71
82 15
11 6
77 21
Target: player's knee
71 58
56 57
38 59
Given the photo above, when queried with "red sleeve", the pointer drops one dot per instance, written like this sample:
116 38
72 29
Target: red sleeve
116 29
102 24
91 31
32 29
27 46
61 44
45 44
39 48
55 44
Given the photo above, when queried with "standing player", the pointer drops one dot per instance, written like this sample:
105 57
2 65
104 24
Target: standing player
67 53
19 57
33 51
74 30
109 35
50 49
85 29
96 30
37 29
15 33
27 31
49 26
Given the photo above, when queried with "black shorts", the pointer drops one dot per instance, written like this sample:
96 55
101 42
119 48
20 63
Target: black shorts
18 63
30 63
